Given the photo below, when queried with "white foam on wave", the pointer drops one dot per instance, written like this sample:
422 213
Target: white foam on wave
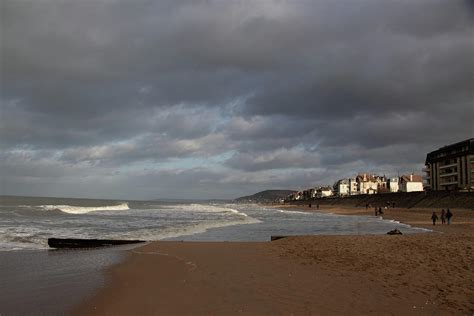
422 229
12 246
20 240
186 230
294 212
70 209
206 208
238 213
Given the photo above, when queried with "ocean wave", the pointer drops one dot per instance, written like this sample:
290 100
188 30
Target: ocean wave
294 212
185 230
10 242
70 209
206 208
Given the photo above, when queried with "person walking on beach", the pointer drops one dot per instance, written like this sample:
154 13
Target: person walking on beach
449 215
443 216
434 218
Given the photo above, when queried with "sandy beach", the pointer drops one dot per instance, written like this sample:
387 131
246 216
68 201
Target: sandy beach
416 274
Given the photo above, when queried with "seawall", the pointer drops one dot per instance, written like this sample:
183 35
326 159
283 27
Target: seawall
435 199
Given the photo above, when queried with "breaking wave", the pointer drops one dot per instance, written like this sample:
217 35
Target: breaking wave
84 210
293 212
185 230
207 208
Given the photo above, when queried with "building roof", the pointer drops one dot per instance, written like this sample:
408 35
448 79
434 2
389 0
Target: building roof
365 177
415 178
451 151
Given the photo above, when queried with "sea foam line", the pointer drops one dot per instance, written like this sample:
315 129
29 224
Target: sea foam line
294 212
206 208
70 209
157 253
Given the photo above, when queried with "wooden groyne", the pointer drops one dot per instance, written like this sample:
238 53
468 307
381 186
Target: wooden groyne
88 243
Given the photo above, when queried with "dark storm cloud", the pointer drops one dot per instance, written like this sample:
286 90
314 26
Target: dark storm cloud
279 159
267 89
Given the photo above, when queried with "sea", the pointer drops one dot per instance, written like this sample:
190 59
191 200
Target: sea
35 279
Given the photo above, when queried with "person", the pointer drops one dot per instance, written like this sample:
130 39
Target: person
309 205
317 206
393 204
443 216
434 218
449 215
376 211
380 211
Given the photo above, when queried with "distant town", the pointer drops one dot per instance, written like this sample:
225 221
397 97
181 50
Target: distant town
450 168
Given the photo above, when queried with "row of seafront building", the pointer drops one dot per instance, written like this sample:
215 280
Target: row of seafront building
448 168
371 184
363 183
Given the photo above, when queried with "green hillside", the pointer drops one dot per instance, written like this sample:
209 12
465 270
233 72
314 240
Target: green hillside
266 196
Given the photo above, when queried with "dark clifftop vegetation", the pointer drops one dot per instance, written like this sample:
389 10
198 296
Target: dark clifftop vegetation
267 196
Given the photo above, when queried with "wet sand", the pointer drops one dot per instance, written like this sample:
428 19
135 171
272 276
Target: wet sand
416 274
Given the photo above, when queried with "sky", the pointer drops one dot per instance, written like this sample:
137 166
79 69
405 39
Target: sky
219 99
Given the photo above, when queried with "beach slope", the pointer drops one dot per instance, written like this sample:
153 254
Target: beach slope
419 274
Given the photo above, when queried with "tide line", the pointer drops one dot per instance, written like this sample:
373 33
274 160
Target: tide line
156 253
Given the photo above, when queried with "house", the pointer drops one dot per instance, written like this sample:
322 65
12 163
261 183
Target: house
411 183
324 192
353 186
393 185
295 196
342 187
366 184
382 184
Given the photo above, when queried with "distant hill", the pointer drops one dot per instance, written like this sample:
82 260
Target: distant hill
265 196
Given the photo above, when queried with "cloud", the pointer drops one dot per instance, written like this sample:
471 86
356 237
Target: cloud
278 159
238 96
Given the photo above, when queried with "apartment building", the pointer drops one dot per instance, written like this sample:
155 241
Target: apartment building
451 167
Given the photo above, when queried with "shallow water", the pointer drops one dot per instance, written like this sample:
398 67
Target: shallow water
274 221
27 223
50 282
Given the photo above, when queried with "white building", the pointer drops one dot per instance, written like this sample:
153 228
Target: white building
294 196
367 184
353 186
411 183
393 185
324 192
342 187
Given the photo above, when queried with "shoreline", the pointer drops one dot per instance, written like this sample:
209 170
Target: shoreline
463 220
365 274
